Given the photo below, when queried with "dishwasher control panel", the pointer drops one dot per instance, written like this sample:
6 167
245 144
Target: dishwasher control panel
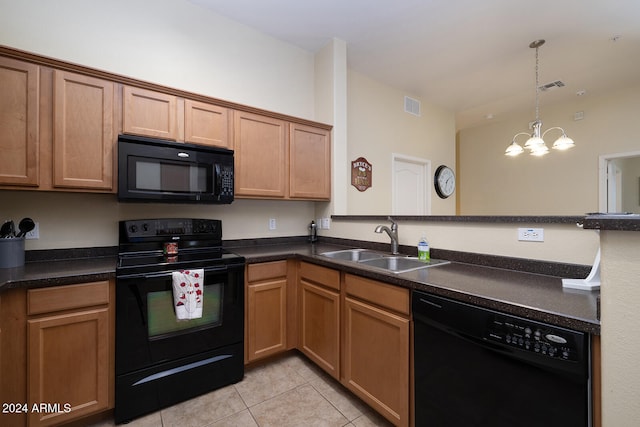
530 336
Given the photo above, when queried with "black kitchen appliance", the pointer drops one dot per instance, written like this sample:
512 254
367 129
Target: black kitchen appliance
160 360
153 170
479 367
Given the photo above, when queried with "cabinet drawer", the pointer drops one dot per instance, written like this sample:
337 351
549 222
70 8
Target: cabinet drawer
321 275
389 296
266 270
46 300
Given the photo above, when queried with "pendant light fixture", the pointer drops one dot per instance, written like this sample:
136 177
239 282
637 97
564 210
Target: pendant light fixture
535 144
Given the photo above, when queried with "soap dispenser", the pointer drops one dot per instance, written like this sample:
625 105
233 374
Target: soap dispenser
423 249
313 232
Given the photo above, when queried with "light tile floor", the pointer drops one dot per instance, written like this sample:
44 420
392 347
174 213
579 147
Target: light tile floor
287 391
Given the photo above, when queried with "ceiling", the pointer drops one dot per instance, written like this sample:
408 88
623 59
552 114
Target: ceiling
469 56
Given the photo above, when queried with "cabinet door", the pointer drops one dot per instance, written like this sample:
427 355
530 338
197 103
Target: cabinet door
320 326
310 157
376 359
19 92
206 124
261 166
83 137
149 113
68 366
266 318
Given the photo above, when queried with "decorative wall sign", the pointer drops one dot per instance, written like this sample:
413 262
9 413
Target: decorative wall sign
361 173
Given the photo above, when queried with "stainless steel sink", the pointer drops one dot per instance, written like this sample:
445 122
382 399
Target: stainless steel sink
386 262
353 254
400 264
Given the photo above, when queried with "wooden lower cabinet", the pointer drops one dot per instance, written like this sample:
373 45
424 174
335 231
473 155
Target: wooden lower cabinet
376 346
60 362
266 310
68 366
319 316
69 357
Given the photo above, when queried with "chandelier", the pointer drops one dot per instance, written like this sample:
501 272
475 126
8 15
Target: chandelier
535 143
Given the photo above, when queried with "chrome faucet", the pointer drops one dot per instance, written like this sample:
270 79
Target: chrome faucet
393 233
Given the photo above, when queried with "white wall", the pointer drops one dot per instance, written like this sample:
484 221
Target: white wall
619 317
378 127
170 42
560 183
563 242
75 220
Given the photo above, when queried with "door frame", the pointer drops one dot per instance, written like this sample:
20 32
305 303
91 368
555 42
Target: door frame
603 176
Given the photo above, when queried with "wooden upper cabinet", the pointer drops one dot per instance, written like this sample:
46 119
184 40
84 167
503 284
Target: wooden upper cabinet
310 167
19 142
207 124
261 162
149 113
83 136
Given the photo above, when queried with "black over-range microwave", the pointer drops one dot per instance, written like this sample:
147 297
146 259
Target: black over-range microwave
152 170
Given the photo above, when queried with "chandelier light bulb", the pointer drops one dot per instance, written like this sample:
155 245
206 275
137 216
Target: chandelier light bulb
563 143
513 149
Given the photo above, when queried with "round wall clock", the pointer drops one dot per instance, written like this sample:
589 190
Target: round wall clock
445 181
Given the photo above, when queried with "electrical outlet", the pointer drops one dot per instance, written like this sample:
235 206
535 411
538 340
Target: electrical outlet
272 223
531 234
33 234
319 223
326 223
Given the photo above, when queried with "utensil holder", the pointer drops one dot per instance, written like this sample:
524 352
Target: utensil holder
12 252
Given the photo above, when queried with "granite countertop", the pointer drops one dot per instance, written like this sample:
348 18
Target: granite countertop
532 295
535 296
58 272
613 221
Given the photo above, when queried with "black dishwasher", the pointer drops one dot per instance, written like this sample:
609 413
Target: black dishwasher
478 367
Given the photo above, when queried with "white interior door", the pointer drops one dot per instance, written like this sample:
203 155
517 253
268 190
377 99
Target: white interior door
410 178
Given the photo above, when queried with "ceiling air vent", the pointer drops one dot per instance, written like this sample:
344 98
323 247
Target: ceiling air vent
411 106
550 86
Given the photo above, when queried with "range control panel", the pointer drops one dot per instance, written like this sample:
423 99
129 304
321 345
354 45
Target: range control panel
540 339
152 229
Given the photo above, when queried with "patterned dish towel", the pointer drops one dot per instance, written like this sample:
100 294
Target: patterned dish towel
188 288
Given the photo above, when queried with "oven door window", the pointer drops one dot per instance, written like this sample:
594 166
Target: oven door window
162 321
153 175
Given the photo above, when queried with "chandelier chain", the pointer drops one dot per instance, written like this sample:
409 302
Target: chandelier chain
537 88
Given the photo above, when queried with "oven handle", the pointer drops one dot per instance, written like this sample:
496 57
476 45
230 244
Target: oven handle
166 273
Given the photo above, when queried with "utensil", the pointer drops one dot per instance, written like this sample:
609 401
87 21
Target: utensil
25 226
5 230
